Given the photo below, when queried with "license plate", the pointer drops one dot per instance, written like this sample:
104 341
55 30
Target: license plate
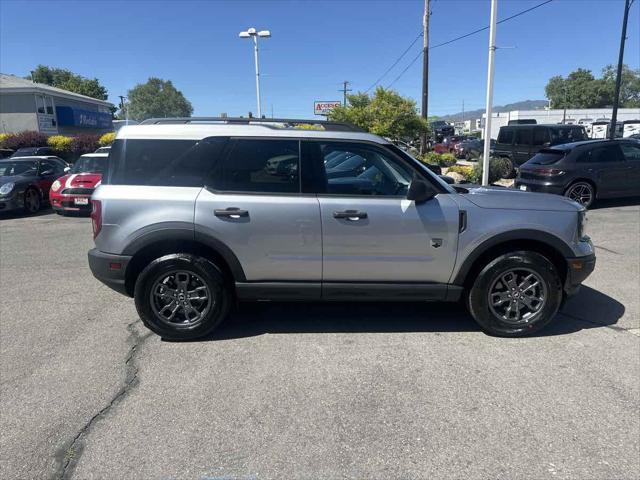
523 187
81 201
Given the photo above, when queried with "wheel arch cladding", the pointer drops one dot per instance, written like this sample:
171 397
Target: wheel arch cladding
544 243
165 243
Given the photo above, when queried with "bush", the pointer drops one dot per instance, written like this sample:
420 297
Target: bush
440 159
61 144
3 138
498 168
15 141
107 139
84 143
464 170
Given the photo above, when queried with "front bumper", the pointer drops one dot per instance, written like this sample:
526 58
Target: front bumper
578 269
67 203
109 269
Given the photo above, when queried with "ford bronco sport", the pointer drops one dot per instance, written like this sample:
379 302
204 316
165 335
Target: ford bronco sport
195 214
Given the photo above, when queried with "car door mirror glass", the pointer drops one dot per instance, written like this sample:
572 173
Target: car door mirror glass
420 191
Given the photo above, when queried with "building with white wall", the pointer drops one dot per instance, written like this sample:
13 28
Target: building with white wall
582 116
25 105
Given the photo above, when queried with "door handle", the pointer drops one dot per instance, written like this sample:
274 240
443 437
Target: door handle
231 212
350 215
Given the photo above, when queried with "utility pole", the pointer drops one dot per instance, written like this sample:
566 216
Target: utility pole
487 123
344 91
122 108
616 98
425 71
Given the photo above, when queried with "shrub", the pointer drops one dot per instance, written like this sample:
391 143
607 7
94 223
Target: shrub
3 138
498 168
432 158
447 160
84 143
107 139
465 170
25 139
61 144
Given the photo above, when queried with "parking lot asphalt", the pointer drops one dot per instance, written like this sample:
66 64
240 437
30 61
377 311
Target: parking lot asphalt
312 390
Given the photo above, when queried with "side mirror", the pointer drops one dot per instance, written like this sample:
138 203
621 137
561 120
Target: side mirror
67 169
420 191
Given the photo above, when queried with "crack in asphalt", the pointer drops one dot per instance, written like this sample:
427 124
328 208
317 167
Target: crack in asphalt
68 455
608 250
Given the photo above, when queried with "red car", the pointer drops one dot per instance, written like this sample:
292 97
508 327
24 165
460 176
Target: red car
72 192
448 144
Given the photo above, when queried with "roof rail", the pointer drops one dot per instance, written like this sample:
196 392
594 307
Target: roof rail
267 122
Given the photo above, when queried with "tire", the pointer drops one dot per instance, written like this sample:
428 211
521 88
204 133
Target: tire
582 192
32 201
172 277
511 171
515 267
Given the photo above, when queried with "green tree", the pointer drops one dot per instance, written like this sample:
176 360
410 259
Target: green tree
386 113
157 98
580 89
67 80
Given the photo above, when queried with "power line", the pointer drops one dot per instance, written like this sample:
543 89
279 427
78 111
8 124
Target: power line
467 35
395 63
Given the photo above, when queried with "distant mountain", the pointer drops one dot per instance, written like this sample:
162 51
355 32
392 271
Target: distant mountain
473 114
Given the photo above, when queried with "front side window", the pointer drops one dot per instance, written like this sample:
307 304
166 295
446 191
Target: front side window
260 166
171 163
631 152
366 170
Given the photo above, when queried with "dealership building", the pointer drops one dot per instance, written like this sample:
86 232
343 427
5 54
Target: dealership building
25 105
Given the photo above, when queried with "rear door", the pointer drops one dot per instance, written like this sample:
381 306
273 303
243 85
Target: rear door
522 145
607 166
371 233
252 204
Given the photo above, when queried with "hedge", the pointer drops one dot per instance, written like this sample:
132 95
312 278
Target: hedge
68 148
107 139
441 159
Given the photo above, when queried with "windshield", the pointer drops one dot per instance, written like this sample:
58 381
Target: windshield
8 169
90 165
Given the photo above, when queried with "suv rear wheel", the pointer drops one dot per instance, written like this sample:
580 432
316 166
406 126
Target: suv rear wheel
516 294
182 297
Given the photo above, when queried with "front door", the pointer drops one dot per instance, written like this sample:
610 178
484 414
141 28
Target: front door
253 206
371 233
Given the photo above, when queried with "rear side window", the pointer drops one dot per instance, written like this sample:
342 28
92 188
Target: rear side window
603 154
172 163
631 152
505 136
260 166
523 136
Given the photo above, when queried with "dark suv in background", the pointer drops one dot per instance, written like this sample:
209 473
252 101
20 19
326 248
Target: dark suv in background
521 142
584 171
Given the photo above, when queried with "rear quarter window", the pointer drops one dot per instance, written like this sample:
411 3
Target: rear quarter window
173 163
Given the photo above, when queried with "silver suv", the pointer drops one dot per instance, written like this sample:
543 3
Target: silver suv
196 214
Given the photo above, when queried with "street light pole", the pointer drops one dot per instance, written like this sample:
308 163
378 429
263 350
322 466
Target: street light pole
254 34
487 123
616 98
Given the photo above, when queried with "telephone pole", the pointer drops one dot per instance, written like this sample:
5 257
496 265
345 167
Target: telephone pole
344 91
425 71
122 97
616 98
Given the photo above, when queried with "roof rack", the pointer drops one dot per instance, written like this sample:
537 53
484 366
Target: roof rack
267 122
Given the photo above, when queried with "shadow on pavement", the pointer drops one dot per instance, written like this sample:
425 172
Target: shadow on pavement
616 202
21 214
588 309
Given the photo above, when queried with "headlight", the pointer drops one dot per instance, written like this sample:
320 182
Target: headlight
55 186
582 224
6 188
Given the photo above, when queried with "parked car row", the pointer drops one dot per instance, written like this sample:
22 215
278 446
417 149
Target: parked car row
28 182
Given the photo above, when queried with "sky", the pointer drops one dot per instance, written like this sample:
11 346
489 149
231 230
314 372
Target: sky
315 45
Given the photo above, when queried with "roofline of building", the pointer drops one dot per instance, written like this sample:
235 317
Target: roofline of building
39 88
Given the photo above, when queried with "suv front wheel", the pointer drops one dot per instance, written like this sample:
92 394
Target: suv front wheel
516 294
182 296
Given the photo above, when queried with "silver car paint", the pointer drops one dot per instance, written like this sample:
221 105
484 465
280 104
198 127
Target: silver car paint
282 238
